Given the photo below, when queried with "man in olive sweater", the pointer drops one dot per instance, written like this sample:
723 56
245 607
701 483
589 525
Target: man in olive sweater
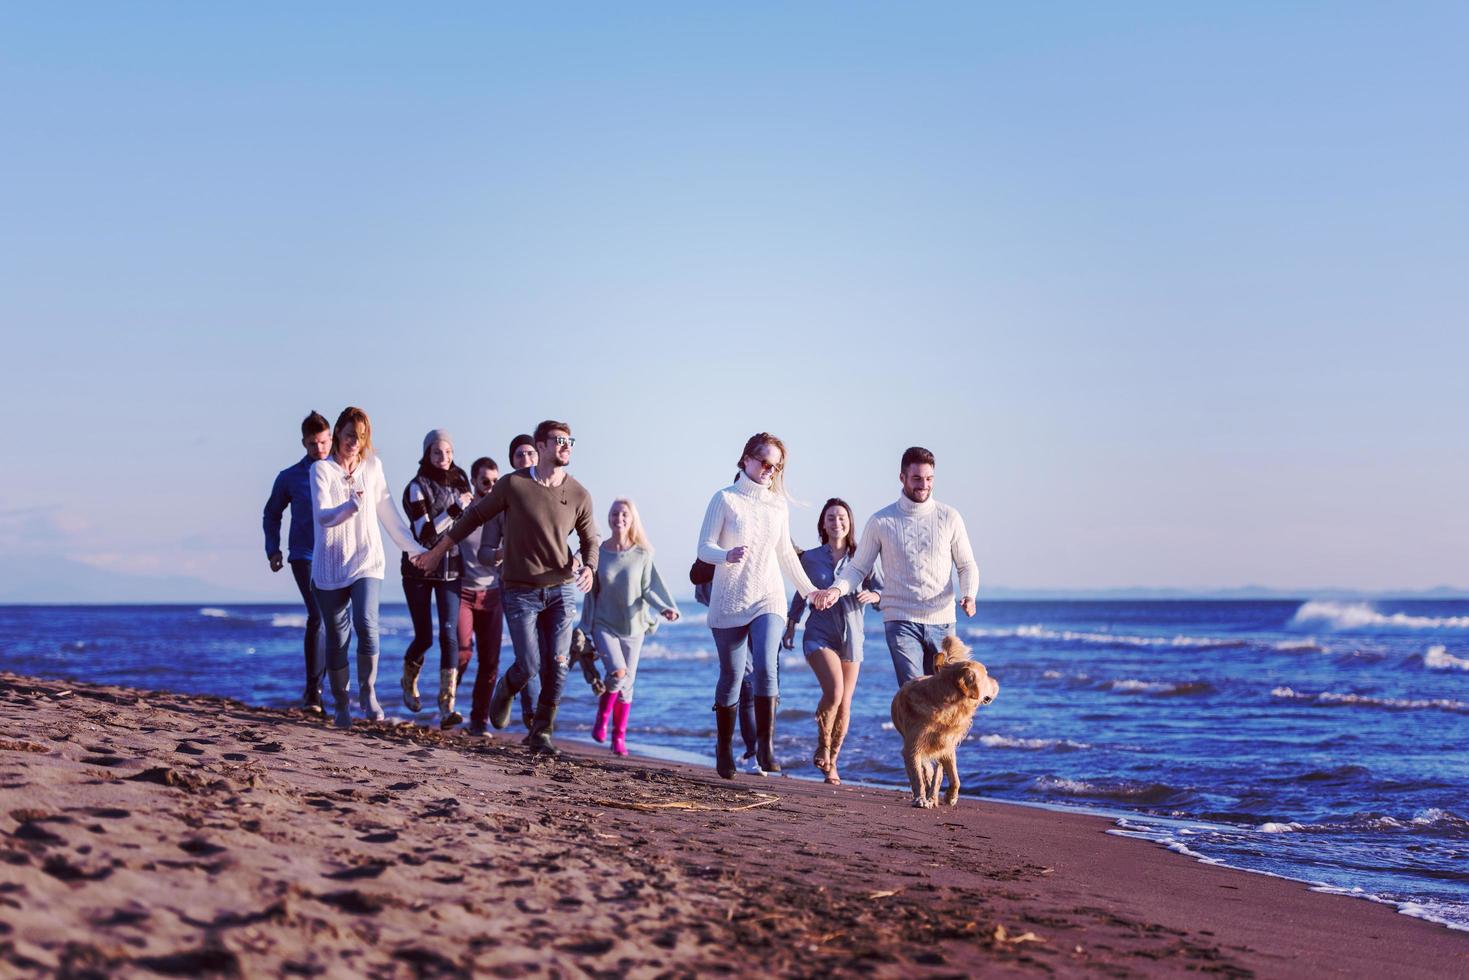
542 506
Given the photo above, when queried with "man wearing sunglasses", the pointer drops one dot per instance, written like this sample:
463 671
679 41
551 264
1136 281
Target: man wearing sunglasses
540 578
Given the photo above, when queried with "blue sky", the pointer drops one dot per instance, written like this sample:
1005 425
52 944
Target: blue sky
1175 292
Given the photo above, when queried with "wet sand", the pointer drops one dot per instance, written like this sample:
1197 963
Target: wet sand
146 834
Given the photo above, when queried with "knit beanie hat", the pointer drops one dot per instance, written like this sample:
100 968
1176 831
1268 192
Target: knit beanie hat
436 435
521 440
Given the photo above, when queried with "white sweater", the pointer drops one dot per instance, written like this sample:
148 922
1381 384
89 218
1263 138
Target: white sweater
753 516
348 546
920 546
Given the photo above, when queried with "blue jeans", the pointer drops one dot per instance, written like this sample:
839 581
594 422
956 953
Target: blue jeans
362 596
764 634
422 596
315 645
540 622
913 646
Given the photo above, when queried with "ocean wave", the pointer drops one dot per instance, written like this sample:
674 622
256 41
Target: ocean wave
1335 699
1439 658
1038 632
214 613
1160 688
289 620
1308 645
1142 793
1361 615
657 651
1432 820
1030 744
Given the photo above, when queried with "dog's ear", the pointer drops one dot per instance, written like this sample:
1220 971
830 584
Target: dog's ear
968 681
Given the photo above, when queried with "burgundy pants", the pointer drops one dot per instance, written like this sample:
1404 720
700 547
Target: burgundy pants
480 624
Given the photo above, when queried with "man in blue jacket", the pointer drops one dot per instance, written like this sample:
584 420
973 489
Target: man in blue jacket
293 489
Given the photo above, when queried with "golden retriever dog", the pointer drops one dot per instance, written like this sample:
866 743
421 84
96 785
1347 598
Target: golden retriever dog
933 714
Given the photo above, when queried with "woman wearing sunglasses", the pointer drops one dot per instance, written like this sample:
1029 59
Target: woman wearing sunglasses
747 538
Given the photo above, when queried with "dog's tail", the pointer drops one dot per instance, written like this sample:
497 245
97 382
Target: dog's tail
952 650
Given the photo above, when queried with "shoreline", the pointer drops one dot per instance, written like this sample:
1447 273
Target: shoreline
1119 818
152 831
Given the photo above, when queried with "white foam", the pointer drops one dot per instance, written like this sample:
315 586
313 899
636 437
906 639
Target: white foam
1363 700
1060 785
995 741
657 651
1308 645
1439 658
289 620
214 613
1359 615
1139 687
1279 828
1037 631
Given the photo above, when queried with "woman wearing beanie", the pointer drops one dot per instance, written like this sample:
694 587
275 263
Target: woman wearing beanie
433 500
626 600
349 497
747 538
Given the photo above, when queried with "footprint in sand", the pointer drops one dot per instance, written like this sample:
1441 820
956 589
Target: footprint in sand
381 837
357 872
188 748
200 847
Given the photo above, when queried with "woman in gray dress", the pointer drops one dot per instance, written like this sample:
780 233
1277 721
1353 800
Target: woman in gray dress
833 638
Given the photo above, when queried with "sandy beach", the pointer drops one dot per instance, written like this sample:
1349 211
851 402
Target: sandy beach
157 833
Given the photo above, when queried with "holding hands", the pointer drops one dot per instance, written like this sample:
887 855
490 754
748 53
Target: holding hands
824 598
428 560
671 615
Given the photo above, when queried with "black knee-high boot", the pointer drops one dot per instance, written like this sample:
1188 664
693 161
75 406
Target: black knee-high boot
765 733
724 719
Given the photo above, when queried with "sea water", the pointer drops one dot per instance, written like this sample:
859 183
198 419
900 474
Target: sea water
1325 741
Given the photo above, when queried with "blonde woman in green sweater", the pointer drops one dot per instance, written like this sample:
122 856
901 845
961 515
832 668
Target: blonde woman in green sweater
623 607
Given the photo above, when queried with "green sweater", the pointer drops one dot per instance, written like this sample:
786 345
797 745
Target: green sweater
538 520
628 596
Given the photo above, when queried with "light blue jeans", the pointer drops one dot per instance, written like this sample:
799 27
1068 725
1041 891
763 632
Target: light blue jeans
362 597
619 653
913 646
764 648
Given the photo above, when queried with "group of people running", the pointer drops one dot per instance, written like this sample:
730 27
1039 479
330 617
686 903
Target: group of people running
481 550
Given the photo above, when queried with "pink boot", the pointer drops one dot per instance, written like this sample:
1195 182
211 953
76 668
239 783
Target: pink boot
604 712
620 709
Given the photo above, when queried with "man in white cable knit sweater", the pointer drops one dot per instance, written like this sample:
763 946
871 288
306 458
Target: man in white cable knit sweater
921 542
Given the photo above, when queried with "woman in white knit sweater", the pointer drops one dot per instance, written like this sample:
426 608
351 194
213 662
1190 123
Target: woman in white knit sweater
746 537
349 497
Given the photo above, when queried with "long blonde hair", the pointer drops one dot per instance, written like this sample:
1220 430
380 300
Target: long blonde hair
635 532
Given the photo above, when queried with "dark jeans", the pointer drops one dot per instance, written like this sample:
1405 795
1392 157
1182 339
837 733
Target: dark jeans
315 642
422 596
481 623
540 622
